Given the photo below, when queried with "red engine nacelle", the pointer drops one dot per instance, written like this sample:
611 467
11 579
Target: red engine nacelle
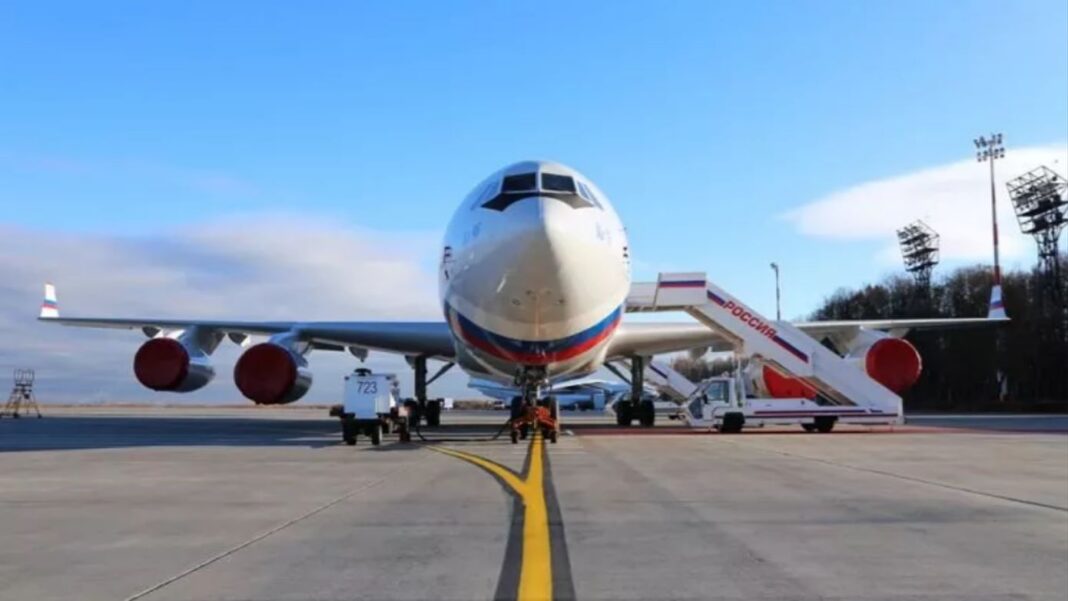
894 363
166 364
271 374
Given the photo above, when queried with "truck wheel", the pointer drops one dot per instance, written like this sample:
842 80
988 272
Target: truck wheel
809 427
732 423
825 424
348 431
515 436
376 436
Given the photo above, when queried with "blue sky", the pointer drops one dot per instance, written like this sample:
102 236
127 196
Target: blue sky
707 123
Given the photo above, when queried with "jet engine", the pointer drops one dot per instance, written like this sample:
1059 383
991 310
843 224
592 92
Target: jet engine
272 374
171 365
892 362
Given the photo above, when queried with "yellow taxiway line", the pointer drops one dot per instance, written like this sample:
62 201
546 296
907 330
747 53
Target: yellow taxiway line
536 571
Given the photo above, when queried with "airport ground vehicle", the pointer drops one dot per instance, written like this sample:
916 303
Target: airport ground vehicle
721 403
370 408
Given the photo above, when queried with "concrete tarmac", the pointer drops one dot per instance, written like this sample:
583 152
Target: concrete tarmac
242 504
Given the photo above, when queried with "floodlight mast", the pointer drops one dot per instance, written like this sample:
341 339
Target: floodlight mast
1040 199
920 251
990 149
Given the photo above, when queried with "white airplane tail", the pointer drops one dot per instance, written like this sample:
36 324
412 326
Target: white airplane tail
997 305
49 307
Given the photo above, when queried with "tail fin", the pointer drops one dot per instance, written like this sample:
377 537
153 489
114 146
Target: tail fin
997 306
49 307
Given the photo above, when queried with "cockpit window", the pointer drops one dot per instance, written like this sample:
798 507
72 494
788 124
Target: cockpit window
557 183
588 195
520 183
520 186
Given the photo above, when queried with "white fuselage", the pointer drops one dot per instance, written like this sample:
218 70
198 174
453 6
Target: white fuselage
534 273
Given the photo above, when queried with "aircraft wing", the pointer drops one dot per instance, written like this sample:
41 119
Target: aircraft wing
898 327
649 339
430 338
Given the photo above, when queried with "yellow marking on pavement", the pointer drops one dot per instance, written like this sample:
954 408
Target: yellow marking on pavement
536 571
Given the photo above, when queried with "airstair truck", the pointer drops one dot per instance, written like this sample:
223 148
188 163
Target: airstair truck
714 401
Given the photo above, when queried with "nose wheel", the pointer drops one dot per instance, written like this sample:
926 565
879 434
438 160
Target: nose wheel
535 418
528 414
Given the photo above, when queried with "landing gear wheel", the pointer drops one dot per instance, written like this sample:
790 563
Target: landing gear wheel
433 413
413 412
624 414
403 434
825 424
376 435
809 427
646 414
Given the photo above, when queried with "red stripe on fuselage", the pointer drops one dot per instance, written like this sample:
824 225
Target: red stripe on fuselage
539 359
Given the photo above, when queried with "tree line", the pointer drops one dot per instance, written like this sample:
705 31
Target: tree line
1022 365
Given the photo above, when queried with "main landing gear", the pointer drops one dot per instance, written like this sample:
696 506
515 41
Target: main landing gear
627 410
421 408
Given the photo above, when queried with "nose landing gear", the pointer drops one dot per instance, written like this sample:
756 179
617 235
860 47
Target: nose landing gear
535 418
531 414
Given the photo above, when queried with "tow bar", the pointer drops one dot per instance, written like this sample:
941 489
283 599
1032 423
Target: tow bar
534 417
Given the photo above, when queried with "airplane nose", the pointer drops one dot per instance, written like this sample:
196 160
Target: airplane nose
542 266
549 245
547 232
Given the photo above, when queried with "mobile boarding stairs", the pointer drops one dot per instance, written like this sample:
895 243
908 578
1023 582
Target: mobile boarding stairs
846 394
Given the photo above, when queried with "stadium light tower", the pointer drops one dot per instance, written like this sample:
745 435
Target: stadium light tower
919 249
991 149
1040 199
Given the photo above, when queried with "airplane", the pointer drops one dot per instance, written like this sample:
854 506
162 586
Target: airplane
580 393
534 274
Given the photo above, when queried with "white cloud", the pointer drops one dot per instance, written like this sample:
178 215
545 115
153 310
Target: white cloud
953 199
274 267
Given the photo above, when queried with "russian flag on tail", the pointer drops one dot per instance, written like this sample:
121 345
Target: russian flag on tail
49 307
997 305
